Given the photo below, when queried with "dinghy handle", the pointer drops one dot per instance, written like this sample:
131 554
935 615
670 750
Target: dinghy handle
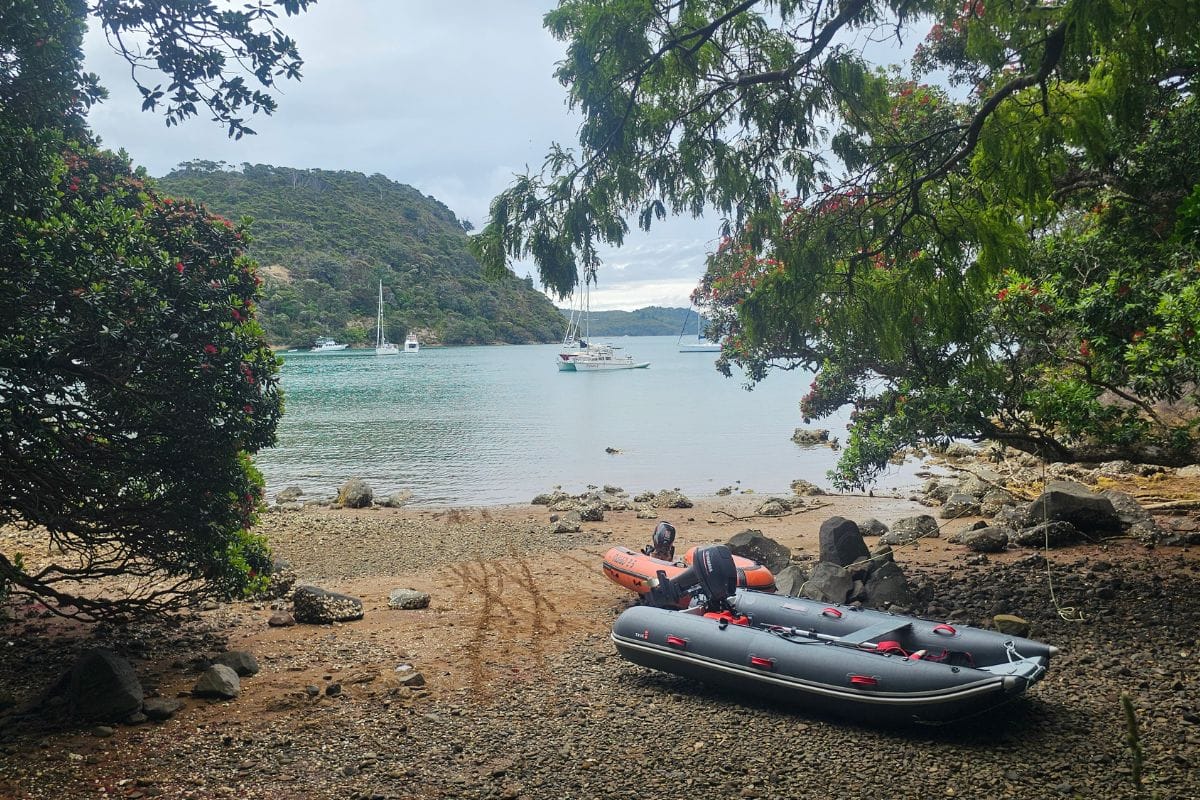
832 612
945 630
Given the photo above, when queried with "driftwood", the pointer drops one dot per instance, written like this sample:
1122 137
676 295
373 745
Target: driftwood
1173 505
773 516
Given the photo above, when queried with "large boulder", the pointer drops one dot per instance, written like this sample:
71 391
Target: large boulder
291 494
355 493
100 686
1137 521
1047 534
985 540
1067 501
993 500
909 529
763 549
841 542
317 606
872 527
571 522
828 583
790 580
805 488
888 587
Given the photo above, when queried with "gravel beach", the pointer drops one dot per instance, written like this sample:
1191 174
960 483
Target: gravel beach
520 693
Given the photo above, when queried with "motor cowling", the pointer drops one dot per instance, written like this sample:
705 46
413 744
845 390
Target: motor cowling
711 579
662 543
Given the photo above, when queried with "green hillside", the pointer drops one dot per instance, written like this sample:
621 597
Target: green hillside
324 240
650 321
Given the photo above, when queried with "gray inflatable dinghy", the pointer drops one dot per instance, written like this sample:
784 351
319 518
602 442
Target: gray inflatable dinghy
841 660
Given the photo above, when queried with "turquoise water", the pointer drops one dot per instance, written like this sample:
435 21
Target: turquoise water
495 425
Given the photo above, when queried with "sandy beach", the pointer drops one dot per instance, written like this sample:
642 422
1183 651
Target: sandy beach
524 696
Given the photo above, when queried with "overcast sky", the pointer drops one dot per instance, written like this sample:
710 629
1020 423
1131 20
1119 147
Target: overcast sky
452 97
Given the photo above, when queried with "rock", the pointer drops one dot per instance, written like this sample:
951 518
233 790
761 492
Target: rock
1011 625
958 505
806 489
985 540
790 580
1048 534
841 542
280 580
762 549
671 498
646 513
959 450
939 491
1190 471
411 678
218 681
289 495
1114 469
974 485
398 499
810 436
1130 512
1013 516
355 493
872 527
408 599
100 686
571 522
773 507
281 619
592 513
1066 501
909 529
316 606
888 587
550 498
160 708
828 583
103 731
333 690
240 661
993 500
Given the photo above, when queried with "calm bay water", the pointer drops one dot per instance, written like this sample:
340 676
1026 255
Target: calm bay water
495 425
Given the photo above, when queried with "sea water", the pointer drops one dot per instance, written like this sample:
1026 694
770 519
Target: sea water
496 425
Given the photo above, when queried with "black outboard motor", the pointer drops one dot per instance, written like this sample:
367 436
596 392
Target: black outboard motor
662 543
712 578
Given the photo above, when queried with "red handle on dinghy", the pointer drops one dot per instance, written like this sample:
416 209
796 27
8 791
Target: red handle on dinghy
832 612
945 630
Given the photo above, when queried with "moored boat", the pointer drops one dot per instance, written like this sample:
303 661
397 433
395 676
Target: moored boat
326 345
840 660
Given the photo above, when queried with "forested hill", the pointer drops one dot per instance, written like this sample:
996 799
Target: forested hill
325 239
650 321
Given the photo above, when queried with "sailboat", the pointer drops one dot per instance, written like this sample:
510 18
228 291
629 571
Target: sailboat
578 353
701 345
382 346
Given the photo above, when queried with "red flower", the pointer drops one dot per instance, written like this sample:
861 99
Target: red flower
1002 294
211 349
179 267
1085 349
1137 336
237 315
249 409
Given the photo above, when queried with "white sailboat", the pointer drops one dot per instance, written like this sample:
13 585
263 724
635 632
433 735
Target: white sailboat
701 344
578 353
382 346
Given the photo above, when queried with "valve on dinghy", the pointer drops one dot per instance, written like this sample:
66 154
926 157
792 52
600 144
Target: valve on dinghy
711 579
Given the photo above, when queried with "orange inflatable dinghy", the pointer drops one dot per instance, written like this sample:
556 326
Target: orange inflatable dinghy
634 570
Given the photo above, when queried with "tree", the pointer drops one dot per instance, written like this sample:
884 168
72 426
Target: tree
1016 260
134 381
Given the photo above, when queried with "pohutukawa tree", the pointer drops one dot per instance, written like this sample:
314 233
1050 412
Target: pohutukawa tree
134 381
1009 251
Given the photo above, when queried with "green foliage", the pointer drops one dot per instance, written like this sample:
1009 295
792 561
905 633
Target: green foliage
1020 264
331 236
136 381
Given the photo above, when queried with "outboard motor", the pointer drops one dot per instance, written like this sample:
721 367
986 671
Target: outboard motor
712 577
662 543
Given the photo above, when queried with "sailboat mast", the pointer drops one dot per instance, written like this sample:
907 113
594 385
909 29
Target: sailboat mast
379 320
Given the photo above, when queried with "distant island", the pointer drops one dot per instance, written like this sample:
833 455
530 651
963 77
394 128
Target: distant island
325 239
650 321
